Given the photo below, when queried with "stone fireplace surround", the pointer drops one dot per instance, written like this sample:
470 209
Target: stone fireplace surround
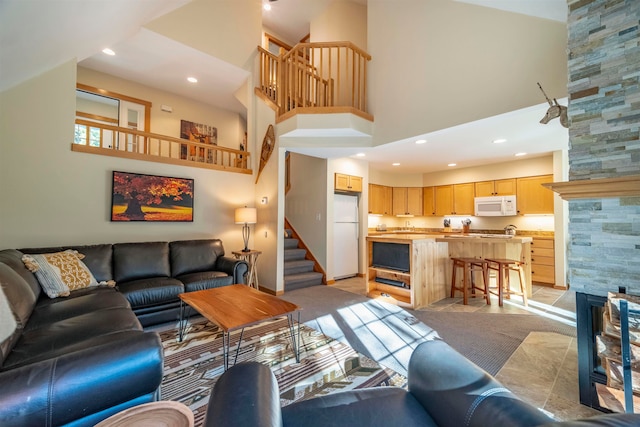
603 191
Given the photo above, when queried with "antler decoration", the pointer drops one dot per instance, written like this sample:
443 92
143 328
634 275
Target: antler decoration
555 110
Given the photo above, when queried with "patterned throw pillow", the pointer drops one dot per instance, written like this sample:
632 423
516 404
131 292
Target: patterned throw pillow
60 273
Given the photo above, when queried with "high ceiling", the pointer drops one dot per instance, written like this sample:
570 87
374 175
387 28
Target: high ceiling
37 35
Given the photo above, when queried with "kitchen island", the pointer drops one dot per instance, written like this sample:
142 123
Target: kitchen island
426 276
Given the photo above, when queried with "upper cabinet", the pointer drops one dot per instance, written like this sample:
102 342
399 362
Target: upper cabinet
533 198
407 201
500 187
348 183
380 197
428 201
456 199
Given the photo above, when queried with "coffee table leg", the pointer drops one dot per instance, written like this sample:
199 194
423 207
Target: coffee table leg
296 344
181 323
238 348
225 349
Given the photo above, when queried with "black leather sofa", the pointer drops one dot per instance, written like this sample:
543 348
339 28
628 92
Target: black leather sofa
79 359
444 389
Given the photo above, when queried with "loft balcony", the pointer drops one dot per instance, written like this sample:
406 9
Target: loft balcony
317 90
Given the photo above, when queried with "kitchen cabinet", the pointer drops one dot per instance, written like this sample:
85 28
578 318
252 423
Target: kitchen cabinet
543 260
428 201
533 198
345 182
407 201
380 198
500 187
456 199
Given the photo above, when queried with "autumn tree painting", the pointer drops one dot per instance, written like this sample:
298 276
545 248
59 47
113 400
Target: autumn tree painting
139 197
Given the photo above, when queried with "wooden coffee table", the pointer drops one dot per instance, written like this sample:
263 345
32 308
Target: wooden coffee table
237 307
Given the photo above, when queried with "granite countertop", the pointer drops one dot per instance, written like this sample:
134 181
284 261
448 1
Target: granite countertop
440 232
452 237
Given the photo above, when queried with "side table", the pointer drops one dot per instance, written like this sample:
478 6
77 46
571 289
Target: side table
251 257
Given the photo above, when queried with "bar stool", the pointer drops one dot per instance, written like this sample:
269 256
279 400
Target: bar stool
470 266
503 267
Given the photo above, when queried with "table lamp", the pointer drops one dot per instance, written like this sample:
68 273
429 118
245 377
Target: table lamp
245 216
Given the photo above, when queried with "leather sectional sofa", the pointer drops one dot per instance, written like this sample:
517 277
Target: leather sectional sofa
79 359
444 389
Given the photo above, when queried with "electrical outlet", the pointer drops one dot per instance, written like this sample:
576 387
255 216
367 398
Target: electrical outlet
265 234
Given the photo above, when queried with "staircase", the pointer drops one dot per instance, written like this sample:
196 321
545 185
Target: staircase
298 270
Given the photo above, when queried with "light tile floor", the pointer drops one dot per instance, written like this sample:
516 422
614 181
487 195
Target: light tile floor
544 368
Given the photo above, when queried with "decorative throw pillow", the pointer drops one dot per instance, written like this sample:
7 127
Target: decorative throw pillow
60 273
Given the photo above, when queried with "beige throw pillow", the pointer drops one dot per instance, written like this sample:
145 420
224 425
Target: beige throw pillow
60 273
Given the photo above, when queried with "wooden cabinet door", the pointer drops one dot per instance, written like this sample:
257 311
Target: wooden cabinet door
533 198
428 201
355 183
387 200
463 195
414 201
444 200
341 182
504 187
399 200
375 199
484 188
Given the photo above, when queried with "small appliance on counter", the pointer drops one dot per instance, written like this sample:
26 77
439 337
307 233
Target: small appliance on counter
381 227
510 230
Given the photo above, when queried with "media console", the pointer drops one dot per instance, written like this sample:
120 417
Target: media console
406 269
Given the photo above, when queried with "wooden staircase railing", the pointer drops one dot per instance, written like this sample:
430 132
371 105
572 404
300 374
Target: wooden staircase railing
322 77
115 141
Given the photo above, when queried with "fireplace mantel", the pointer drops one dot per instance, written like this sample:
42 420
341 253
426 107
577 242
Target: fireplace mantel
624 186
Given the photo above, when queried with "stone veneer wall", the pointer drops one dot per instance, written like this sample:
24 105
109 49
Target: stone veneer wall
604 113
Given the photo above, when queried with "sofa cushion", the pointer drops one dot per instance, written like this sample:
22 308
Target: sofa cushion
60 273
13 258
150 292
69 335
133 261
80 302
191 256
378 406
205 280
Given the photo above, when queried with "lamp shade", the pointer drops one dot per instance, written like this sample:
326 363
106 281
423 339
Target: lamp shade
245 215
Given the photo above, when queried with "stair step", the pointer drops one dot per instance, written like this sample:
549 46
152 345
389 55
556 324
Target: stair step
302 280
290 243
298 266
294 254
289 233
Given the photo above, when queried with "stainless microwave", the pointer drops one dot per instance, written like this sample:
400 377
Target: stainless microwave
495 206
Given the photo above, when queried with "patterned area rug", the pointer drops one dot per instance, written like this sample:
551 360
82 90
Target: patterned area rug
193 366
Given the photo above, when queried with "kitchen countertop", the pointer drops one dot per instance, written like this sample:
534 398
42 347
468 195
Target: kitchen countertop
453 237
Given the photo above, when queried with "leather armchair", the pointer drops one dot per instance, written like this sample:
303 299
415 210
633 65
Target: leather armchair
444 389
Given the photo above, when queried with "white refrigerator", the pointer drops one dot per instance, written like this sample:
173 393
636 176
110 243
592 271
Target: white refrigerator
345 236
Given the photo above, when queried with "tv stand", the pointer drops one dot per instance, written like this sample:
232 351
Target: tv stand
422 285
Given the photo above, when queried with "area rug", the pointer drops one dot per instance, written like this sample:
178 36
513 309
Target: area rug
193 366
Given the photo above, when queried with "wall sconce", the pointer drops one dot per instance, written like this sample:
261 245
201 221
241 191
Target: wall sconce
245 216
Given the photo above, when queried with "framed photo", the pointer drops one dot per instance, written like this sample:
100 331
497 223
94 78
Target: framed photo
197 132
137 197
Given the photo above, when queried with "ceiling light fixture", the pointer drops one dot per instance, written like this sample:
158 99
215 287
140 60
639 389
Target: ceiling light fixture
395 164
192 80
499 141
520 154
452 164
360 155
267 7
108 51
421 141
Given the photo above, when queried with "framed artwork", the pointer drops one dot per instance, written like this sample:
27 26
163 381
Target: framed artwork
197 132
151 198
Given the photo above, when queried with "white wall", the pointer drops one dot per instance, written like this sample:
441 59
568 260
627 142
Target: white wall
439 63
57 196
306 203
341 21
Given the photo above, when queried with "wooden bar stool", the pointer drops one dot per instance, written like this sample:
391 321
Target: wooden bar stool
503 267
470 266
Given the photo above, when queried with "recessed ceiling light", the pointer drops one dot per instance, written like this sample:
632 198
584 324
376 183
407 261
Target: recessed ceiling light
267 6
520 154
192 80
499 141
360 155
108 51
395 164
421 141
451 164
